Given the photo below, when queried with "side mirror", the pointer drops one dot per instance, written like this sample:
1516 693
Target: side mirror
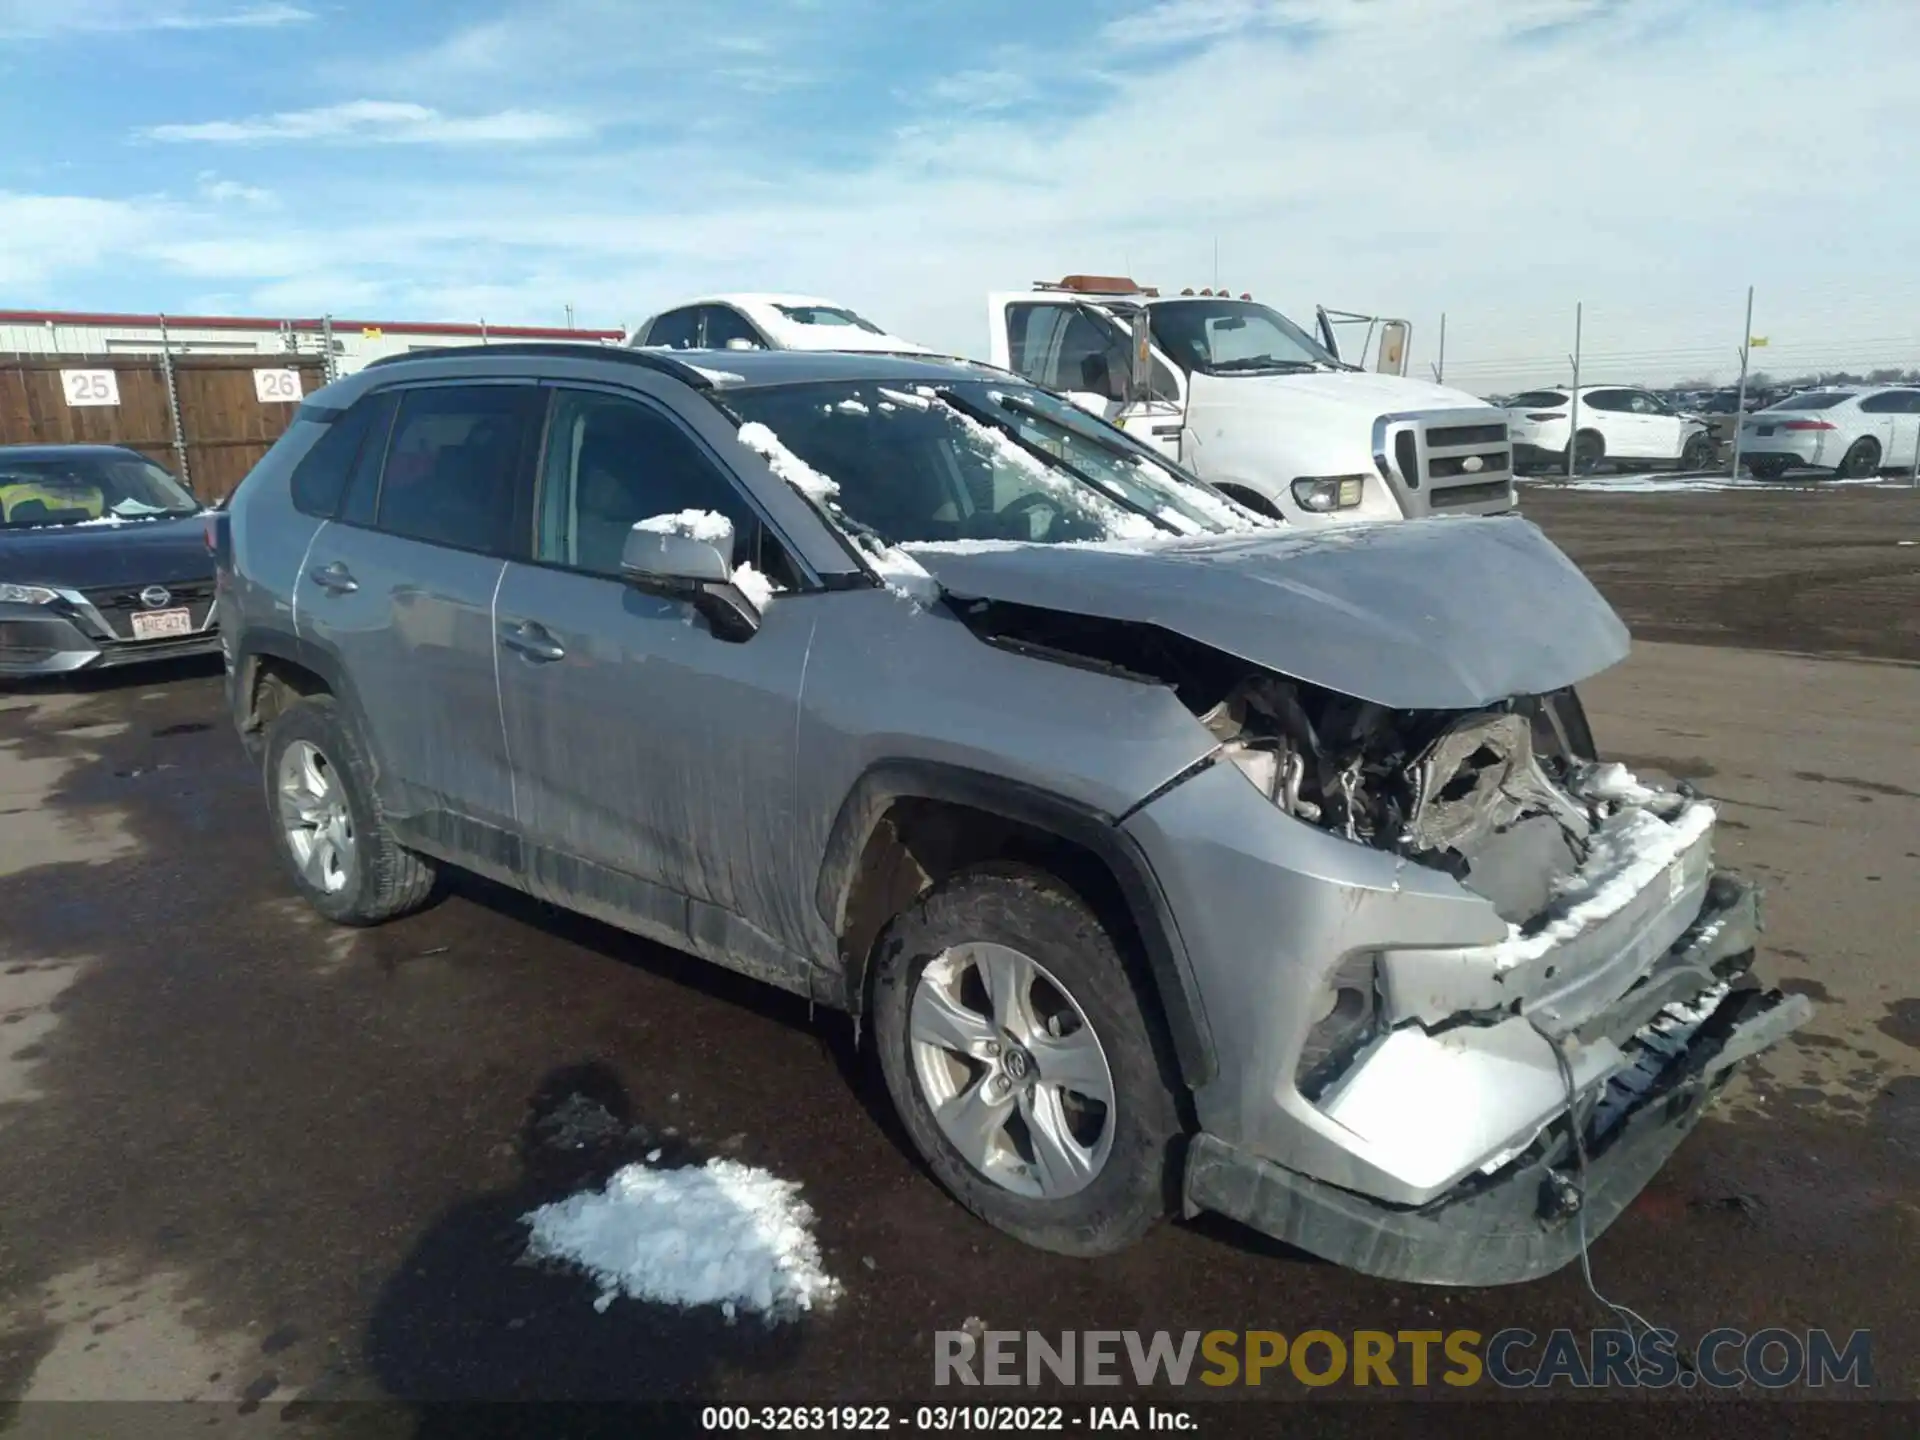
740 342
1394 335
694 568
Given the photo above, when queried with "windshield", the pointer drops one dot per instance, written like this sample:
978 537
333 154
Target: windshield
1812 400
1232 337
827 315
974 461
70 490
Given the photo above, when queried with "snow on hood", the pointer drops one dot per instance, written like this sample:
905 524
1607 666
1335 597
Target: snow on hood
1451 613
1377 394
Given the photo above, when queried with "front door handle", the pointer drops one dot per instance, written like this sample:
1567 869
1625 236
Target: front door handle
334 578
532 641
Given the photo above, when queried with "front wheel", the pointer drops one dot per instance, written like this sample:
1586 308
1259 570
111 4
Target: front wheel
1022 1060
1699 453
1589 449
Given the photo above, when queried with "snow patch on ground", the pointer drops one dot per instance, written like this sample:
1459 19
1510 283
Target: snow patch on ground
1629 851
696 524
722 1234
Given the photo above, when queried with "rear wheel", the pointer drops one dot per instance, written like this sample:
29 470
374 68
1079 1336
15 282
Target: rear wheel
1022 1061
332 835
1862 460
1589 449
1699 452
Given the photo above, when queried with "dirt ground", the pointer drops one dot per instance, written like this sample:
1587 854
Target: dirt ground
278 1168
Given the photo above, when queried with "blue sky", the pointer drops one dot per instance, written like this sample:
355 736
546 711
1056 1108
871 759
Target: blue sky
1498 160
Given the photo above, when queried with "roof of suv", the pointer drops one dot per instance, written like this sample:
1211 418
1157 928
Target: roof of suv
733 369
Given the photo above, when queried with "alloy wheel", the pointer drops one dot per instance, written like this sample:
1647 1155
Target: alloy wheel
314 816
1016 1078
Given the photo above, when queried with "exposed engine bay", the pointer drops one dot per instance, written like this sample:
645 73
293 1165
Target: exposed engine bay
1508 799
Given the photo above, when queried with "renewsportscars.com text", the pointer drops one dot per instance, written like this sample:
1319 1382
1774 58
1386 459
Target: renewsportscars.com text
1511 1359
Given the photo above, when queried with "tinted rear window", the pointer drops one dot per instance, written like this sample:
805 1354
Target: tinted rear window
1537 400
1812 400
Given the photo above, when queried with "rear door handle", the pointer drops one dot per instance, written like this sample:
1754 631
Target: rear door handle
532 641
334 578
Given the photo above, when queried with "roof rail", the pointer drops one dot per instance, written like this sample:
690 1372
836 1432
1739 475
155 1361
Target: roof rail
646 359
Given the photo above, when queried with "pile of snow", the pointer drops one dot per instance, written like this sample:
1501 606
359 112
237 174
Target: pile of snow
787 465
722 1234
705 525
755 586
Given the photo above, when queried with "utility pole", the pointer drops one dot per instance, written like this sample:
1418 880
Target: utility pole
569 317
1440 369
1573 421
1740 404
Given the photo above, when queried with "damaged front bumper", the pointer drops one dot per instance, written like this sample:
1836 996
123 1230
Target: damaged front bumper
1643 1067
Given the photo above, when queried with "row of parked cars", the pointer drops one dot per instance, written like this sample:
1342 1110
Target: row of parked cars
1854 432
1170 854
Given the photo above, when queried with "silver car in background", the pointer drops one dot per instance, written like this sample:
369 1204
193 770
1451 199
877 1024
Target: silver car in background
1169 858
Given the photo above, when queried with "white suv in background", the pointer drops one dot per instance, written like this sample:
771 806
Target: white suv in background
1616 422
1855 433
765 322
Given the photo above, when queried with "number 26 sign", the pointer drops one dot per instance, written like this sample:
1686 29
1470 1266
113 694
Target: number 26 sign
277 387
90 387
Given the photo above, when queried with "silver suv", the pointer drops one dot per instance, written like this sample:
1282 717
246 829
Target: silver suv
1171 858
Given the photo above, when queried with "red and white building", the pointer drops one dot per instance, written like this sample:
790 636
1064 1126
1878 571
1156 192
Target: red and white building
354 342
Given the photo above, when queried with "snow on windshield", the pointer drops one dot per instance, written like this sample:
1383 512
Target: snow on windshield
723 1234
787 465
1120 522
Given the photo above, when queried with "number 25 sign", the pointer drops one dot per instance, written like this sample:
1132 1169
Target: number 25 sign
90 387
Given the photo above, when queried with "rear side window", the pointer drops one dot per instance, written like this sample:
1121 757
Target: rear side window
1537 400
454 465
1894 402
1607 400
320 479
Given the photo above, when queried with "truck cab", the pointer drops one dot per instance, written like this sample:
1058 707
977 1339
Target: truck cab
1258 406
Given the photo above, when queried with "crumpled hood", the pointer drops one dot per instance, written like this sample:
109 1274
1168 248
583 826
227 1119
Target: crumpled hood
1355 389
79 557
1450 613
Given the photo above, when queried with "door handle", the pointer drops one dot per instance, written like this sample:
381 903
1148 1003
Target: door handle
532 641
334 578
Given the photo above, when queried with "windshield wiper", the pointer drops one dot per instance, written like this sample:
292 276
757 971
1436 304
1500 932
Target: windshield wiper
1263 362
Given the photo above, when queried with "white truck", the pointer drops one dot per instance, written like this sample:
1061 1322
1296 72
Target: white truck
1257 406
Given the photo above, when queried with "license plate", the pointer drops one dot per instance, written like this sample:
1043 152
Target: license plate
152 624
1764 430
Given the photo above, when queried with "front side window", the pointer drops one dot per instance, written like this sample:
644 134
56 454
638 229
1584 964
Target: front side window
612 462
1232 337
676 330
975 461
100 488
1071 348
454 463
1606 401
727 329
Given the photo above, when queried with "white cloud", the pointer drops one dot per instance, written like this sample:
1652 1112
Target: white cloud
222 192
1495 159
44 19
382 121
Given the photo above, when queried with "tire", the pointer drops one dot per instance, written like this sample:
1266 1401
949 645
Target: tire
1699 452
1862 460
988 913
370 876
1767 469
1589 449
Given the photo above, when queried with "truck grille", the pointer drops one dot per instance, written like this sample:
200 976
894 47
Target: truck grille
1456 463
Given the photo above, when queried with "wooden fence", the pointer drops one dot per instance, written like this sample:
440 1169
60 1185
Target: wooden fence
228 416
